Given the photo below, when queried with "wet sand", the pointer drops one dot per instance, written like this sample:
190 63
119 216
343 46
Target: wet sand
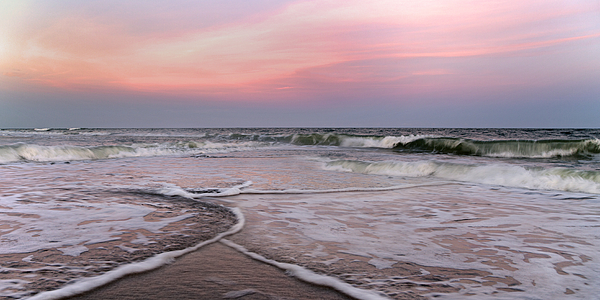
213 272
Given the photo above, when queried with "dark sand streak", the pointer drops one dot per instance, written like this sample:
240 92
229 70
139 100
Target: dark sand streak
212 272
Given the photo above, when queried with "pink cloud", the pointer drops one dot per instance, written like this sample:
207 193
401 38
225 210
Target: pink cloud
302 48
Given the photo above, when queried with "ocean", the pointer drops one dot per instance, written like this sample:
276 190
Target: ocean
389 213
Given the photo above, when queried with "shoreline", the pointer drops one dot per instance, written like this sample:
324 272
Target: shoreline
191 273
214 271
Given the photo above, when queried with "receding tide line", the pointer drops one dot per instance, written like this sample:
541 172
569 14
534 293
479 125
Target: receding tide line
342 190
241 189
310 276
151 263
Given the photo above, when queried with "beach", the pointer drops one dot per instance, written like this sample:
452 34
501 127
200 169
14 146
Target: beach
213 272
216 270
202 215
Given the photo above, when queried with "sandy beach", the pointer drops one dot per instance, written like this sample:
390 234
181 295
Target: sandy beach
213 272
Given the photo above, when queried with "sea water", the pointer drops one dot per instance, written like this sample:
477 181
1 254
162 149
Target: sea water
433 213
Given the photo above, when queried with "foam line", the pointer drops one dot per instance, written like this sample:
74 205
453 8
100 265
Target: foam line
310 276
151 263
343 190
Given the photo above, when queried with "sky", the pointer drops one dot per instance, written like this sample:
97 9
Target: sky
326 63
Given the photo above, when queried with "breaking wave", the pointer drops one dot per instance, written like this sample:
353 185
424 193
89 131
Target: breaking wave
144 144
439 145
352 141
22 152
329 139
509 149
495 174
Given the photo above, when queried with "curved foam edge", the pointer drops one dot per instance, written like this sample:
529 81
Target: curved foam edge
310 276
241 189
151 263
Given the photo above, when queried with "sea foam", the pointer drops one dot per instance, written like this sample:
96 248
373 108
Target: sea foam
494 174
88 284
310 276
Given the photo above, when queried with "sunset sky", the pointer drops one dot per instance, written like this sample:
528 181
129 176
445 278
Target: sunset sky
338 63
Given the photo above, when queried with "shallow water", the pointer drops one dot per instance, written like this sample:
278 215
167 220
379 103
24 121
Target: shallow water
350 204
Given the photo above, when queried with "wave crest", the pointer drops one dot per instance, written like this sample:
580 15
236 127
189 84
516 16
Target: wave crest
509 149
352 140
36 153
